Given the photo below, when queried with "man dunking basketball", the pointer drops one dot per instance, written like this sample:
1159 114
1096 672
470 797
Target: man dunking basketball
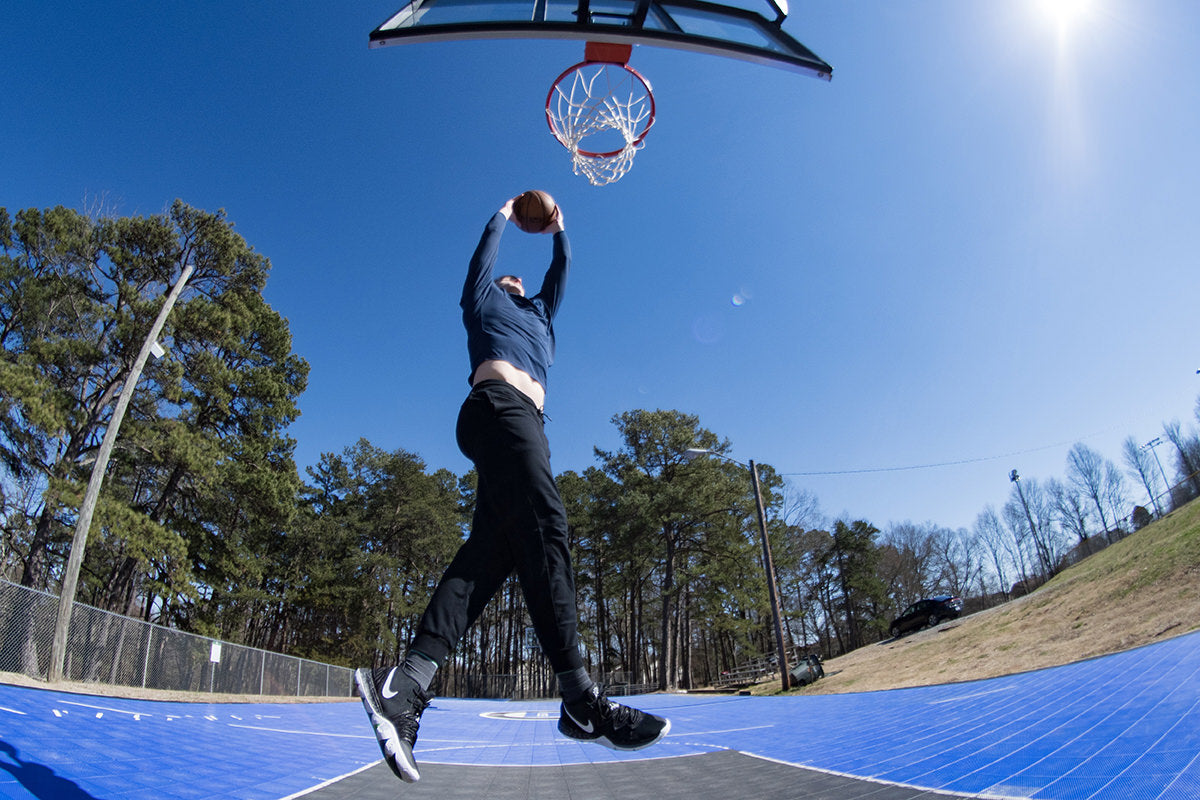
519 524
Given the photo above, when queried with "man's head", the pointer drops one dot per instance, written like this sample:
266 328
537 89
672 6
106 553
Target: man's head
511 284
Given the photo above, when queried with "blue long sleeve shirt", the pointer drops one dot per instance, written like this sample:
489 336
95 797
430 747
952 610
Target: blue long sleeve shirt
519 330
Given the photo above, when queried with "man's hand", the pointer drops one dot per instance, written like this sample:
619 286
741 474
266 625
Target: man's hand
507 208
556 224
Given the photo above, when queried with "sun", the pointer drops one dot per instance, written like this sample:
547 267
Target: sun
1064 13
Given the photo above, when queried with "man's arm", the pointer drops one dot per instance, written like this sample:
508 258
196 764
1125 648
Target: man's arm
479 272
554 284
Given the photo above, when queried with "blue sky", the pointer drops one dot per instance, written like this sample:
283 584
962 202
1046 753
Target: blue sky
976 244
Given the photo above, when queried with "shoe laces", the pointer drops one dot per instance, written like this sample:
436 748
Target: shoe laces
620 716
409 720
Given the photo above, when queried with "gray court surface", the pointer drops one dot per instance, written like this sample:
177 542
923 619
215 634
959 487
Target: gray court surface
1122 727
726 775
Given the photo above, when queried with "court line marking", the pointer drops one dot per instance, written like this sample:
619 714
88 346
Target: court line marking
330 782
883 782
554 766
106 708
722 730
302 733
961 697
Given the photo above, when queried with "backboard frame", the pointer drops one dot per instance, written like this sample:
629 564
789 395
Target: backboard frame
662 23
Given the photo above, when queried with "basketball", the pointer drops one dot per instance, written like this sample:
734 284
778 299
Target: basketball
534 210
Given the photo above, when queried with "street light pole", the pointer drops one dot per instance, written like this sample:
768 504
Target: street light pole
768 562
769 566
1015 478
66 597
1149 479
1153 445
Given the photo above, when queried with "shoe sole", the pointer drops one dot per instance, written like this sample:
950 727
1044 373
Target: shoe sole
604 741
401 762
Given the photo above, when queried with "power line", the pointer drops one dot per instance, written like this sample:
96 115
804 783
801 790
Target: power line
912 467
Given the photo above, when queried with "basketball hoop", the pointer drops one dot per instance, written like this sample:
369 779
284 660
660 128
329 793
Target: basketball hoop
605 104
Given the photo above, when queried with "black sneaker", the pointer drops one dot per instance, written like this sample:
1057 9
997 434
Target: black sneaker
394 702
597 719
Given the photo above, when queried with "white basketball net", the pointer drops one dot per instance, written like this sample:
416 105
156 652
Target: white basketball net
605 100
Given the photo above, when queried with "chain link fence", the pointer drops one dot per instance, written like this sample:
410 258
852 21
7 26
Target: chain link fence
103 647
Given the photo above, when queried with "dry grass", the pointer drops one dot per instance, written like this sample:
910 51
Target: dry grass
1141 590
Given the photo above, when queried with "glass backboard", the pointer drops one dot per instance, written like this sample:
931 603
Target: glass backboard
695 25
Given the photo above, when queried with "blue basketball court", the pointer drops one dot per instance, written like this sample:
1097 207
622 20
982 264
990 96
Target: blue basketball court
1121 727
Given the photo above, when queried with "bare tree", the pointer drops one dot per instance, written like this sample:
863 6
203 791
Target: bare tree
958 561
1189 457
1015 522
907 567
1071 507
802 509
1114 495
1140 465
998 544
1086 472
1031 506
1050 534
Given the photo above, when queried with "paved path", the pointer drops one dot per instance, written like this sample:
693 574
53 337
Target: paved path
1122 727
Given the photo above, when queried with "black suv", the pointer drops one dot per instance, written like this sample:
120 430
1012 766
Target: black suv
929 611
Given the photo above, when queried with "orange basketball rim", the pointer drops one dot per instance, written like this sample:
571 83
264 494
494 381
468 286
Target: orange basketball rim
601 110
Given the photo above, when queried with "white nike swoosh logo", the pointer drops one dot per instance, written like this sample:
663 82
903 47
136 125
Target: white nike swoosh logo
388 694
585 728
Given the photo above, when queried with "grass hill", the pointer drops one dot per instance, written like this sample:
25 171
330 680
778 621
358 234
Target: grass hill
1141 590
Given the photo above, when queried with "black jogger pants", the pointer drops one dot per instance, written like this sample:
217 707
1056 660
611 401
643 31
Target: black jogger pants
519 523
